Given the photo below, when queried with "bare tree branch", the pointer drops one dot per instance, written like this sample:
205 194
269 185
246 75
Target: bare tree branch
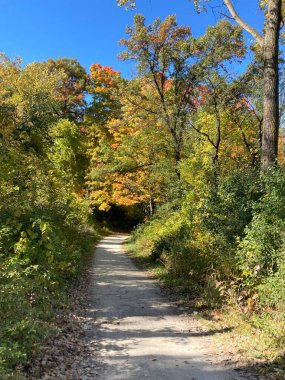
258 37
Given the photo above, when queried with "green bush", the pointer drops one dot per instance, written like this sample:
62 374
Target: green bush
47 254
261 252
197 245
46 232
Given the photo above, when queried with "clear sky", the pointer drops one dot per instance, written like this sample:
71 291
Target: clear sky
89 30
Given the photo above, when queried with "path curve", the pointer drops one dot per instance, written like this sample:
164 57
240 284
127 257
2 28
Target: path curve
139 333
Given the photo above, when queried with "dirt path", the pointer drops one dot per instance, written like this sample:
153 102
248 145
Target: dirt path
139 333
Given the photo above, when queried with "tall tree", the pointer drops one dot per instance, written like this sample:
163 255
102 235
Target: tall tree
269 44
72 88
103 88
174 63
162 51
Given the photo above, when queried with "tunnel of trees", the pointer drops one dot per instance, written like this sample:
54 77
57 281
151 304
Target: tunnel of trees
178 153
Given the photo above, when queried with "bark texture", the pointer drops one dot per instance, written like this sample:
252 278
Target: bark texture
270 45
270 129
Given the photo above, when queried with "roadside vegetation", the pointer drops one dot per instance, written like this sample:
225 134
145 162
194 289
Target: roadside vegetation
179 148
46 226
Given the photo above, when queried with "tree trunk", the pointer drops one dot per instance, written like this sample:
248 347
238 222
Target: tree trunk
270 128
150 203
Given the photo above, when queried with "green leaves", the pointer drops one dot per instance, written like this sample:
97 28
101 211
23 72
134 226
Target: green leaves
157 46
222 42
45 228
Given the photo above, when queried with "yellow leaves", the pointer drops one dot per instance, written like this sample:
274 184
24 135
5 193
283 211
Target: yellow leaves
104 206
100 197
238 128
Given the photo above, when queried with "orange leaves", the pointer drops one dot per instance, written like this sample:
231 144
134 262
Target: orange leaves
104 90
128 190
103 76
122 189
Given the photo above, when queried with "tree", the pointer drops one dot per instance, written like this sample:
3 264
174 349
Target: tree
269 44
67 153
162 51
72 89
131 150
226 119
143 128
29 102
103 88
173 64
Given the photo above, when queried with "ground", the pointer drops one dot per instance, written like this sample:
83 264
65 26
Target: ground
130 329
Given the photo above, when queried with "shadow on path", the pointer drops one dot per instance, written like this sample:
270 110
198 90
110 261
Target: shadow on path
140 333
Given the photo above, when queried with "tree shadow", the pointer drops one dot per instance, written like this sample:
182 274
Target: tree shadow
137 329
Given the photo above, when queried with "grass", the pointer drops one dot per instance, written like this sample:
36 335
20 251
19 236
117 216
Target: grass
35 296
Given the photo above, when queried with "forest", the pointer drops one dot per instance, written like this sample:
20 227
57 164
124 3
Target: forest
188 154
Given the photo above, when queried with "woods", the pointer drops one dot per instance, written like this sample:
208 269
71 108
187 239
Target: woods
268 44
46 229
191 147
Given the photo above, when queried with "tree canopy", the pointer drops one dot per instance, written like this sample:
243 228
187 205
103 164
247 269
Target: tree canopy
187 147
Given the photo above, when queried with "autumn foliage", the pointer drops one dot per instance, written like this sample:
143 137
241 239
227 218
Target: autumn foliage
178 144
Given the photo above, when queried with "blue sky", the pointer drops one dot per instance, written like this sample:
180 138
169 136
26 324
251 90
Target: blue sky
89 30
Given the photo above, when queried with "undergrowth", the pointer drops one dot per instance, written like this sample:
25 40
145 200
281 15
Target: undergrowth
223 254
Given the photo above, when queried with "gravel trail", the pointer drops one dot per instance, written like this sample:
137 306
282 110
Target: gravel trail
139 333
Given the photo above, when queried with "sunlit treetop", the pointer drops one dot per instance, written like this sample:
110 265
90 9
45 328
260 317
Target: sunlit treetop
104 76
